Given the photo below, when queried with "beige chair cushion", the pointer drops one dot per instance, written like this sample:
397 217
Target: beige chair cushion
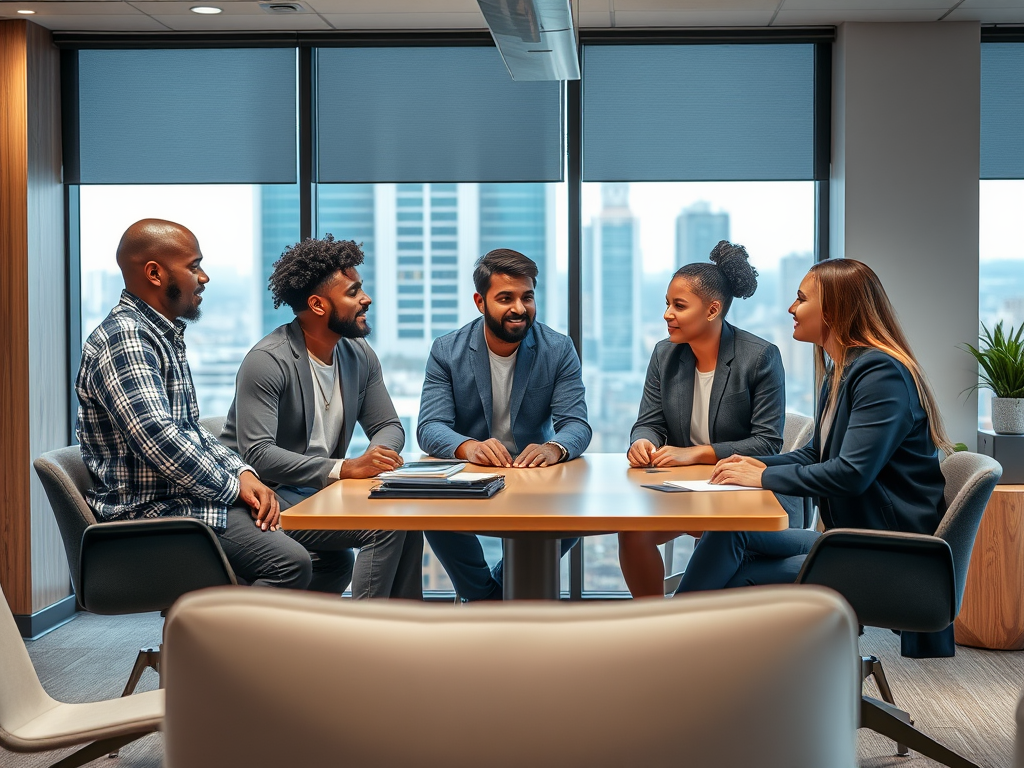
758 677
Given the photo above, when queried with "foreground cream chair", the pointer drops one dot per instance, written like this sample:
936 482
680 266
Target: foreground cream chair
30 721
763 677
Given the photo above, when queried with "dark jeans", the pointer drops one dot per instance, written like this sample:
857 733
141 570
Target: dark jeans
463 559
725 559
389 563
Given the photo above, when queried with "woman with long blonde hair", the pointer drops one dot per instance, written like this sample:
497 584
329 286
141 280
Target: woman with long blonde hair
874 459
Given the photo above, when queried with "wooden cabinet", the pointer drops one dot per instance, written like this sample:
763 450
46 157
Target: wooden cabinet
992 613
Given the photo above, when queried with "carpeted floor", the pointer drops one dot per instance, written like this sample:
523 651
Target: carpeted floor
967 702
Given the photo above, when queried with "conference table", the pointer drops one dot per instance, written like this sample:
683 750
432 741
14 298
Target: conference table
596 493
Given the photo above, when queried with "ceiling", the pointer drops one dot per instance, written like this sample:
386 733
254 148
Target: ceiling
247 15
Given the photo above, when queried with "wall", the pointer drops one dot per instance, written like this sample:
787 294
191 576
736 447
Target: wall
904 191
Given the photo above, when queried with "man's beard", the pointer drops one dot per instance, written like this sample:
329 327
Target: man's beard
498 328
348 329
192 312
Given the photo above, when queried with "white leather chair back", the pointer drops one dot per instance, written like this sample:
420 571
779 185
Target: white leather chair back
765 676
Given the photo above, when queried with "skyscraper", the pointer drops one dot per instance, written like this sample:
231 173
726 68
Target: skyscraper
277 214
614 260
347 212
698 230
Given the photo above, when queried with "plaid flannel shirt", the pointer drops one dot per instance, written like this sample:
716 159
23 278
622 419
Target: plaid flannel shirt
138 423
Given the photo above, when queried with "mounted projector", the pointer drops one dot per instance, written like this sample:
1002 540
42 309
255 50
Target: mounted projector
282 8
536 38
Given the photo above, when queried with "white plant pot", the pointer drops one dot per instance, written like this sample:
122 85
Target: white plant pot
1008 415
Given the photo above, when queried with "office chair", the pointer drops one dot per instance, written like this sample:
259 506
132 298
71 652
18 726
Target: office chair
130 566
908 582
525 684
30 721
797 430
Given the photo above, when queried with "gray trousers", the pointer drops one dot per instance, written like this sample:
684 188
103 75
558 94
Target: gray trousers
389 562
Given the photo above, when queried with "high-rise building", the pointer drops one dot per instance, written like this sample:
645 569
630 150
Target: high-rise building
613 306
698 231
277 226
519 216
347 211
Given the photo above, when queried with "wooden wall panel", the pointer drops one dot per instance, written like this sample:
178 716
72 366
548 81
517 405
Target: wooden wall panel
47 308
15 527
33 354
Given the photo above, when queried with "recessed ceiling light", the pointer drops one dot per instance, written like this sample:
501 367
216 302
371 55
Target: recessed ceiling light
207 9
26 12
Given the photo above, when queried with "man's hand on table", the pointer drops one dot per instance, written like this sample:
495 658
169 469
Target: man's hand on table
377 459
486 453
262 501
738 470
538 455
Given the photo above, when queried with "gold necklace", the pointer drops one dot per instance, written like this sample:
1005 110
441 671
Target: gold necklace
316 378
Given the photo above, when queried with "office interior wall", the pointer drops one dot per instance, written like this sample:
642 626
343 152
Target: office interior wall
33 345
905 170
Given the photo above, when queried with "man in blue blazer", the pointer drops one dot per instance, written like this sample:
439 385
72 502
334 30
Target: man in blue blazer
475 406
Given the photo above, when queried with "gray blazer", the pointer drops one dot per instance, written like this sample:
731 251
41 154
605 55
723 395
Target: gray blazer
271 417
748 396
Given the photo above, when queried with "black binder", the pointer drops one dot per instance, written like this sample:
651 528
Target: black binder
427 488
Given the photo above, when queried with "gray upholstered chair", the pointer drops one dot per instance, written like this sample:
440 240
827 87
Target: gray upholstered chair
30 721
534 685
132 566
797 430
214 424
908 582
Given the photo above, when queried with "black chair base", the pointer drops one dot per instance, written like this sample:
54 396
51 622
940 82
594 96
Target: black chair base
148 658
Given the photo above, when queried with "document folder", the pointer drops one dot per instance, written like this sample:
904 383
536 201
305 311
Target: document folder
425 489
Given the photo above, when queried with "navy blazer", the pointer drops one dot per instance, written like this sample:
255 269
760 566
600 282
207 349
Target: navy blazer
547 399
748 396
879 468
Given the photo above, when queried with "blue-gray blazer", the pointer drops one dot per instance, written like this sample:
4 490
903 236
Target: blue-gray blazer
547 400
748 396
878 467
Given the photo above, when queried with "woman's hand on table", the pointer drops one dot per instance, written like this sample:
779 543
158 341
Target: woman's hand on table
738 470
639 453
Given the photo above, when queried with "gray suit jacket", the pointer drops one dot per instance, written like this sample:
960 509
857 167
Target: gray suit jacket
748 396
271 417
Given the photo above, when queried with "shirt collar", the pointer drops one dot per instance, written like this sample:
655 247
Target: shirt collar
172 330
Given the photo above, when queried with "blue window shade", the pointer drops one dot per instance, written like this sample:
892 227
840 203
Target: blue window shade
433 115
188 116
1002 111
698 112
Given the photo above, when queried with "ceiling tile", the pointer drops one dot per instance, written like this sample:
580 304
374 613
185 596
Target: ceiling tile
859 6
398 6
405 20
1018 4
695 5
249 8
595 19
799 18
988 15
719 18
224 22
107 22
42 9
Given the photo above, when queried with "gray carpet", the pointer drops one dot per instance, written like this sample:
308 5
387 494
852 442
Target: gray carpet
966 702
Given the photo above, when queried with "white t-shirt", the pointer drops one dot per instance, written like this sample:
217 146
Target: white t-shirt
700 432
328 422
502 372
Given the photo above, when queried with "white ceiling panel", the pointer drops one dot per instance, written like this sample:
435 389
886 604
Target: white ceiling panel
857 6
405 20
988 15
801 18
398 6
58 8
595 19
242 23
153 8
107 22
694 5
718 18
1019 4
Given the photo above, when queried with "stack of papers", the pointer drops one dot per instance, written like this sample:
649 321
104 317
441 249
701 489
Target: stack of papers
424 469
464 485
704 485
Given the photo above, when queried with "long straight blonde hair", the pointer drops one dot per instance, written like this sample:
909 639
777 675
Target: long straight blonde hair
857 312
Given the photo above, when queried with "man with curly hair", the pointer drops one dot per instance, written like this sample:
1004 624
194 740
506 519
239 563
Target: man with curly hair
298 396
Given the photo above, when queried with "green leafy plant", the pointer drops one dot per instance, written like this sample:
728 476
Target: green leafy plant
1001 358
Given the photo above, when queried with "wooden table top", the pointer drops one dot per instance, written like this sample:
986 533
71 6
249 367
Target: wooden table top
596 492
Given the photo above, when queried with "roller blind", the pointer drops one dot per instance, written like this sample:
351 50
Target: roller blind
187 116
698 112
433 115
1002 111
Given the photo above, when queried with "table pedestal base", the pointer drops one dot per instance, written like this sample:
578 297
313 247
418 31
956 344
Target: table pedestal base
531 570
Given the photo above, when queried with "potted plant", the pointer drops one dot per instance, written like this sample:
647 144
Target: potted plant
1001 358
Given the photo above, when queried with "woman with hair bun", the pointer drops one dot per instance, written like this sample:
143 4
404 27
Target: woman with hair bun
712 391
874 459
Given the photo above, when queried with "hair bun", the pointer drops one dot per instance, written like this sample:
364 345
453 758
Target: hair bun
732 261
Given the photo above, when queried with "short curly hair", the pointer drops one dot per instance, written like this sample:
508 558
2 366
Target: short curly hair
304 267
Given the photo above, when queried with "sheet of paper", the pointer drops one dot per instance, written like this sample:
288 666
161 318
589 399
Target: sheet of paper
704 485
